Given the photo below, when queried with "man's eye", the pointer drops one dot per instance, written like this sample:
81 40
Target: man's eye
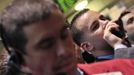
130 20
47 45
95 26
102 18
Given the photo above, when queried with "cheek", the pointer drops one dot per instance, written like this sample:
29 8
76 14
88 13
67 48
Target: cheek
130 28
39 62
97 40
68 43
99 33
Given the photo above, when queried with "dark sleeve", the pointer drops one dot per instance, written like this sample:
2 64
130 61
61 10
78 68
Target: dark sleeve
124 53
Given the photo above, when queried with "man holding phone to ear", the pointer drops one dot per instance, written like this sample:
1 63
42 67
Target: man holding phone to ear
89 29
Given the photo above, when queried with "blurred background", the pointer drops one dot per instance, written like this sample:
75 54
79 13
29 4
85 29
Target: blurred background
109 8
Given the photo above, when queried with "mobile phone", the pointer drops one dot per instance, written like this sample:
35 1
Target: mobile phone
121 32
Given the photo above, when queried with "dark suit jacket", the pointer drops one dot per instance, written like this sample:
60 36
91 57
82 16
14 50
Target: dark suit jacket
124 53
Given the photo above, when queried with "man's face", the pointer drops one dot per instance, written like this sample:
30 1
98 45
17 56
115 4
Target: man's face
128 23
49 49
93 25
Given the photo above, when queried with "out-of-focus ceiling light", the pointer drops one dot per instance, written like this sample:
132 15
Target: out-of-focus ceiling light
81 5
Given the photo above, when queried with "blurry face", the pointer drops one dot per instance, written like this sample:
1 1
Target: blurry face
93 24
128 23
49 48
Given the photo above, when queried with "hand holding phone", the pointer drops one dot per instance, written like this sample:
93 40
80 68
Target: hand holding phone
121 32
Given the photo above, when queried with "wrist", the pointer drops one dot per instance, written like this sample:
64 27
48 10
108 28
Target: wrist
117 46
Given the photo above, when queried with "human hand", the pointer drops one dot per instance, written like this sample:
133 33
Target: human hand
112 39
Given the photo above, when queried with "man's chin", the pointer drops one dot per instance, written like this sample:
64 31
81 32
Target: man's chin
62 73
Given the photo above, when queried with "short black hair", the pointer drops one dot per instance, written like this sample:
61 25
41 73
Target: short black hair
78 15
124 13
120 22
19 14
77 34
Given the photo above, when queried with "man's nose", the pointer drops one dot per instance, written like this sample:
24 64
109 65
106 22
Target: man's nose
61 50
103 23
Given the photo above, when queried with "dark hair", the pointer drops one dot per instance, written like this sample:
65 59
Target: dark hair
119 21
13 19
78 15
77 34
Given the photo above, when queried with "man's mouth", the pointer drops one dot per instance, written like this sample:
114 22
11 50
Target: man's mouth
63 68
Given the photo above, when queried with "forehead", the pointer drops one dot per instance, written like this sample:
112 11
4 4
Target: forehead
87 19
46 27
92 15
127 16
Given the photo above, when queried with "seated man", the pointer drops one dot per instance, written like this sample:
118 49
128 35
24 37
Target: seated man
88 31
33 32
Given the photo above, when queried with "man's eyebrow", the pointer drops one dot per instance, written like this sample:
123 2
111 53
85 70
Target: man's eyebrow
101 17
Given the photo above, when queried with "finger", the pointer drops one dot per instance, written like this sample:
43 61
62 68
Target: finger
111 26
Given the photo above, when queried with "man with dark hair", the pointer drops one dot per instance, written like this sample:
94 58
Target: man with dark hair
88 30
37 40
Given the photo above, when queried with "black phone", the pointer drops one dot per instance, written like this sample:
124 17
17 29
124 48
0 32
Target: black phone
121 32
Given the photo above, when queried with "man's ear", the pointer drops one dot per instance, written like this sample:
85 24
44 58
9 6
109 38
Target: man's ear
87 46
